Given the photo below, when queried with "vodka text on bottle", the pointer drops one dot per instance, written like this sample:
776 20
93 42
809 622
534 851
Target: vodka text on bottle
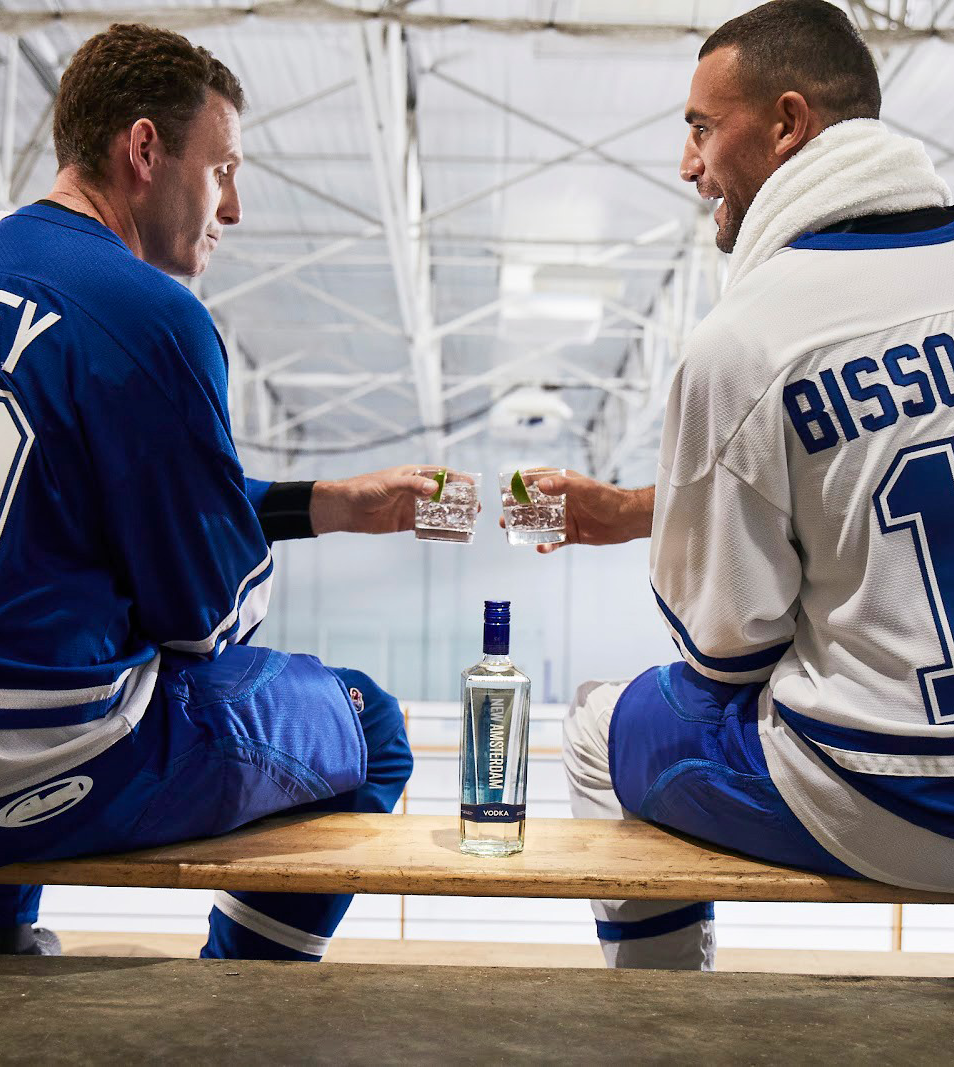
495 700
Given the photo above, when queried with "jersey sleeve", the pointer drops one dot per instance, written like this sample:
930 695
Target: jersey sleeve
183 535
725 566
255 490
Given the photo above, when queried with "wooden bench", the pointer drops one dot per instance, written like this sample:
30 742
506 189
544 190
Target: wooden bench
104 1011
418 854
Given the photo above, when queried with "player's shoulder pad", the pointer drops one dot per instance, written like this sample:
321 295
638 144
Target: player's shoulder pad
731 361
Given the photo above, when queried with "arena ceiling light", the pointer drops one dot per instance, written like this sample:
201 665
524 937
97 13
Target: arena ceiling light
554 302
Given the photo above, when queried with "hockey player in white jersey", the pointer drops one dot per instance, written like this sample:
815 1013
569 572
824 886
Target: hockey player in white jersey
803 515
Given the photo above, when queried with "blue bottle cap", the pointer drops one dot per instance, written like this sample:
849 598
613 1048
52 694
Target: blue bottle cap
496 627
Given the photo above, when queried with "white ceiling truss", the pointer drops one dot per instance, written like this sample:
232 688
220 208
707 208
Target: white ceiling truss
404 159
883 22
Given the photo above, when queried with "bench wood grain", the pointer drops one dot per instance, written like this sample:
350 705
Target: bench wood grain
349 853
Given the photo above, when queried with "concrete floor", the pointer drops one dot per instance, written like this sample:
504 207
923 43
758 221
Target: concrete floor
108 1011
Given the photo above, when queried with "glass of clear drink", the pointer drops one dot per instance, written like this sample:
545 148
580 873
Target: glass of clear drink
532 517
450 517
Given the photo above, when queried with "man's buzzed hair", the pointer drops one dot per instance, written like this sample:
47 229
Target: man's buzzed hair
130 72
808 46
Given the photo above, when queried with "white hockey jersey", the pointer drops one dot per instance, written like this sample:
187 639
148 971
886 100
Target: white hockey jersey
804 534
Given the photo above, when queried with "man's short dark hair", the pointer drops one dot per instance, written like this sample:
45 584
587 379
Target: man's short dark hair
131 72
808 46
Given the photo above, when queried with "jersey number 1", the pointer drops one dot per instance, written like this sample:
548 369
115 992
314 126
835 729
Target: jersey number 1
917 494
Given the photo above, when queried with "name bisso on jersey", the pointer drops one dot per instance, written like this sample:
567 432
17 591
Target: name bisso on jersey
908 379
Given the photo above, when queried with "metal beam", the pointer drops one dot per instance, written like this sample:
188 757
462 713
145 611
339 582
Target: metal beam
375 417
312 190
270 370
531 172
379 125
289 267
356 313
612 385
465 432
499 370
46 75
386 101
296 105
185 17
468 318
349 309
941 146
248 234
542 124
328 380
904 57
573 378
635 317
30 153
489 261
9 117
317 410
622 427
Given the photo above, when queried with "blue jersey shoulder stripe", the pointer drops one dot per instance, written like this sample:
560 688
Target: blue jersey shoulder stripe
752 661
845 241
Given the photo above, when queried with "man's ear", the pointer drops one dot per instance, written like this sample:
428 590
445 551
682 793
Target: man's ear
146 149
794 124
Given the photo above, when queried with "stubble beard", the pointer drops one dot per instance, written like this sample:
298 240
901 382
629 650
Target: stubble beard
728 233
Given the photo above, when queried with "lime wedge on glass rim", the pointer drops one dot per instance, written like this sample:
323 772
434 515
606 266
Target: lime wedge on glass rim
519 489
440 477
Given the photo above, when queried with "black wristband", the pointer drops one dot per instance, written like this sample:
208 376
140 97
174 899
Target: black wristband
285 511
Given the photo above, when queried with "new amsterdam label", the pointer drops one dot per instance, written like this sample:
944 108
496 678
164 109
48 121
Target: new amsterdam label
493 812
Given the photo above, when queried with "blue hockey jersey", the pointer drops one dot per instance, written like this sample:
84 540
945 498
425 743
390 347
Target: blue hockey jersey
126 525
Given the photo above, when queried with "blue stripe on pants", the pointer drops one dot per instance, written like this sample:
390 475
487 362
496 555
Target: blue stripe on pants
658 925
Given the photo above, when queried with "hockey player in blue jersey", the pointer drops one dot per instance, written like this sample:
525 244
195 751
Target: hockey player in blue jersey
135 554
801 520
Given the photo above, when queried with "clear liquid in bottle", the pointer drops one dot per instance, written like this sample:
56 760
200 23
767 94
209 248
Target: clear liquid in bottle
495 699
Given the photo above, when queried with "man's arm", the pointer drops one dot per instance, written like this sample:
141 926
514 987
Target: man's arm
598 513
382 502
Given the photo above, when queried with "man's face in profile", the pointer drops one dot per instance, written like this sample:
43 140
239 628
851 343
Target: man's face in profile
728 150
194 194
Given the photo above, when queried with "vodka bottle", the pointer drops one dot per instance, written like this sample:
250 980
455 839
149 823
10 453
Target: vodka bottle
493 744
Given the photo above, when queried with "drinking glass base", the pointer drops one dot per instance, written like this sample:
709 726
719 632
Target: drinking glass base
459 537
519 535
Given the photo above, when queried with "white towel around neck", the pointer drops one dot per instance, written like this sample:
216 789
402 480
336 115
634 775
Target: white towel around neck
854 168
